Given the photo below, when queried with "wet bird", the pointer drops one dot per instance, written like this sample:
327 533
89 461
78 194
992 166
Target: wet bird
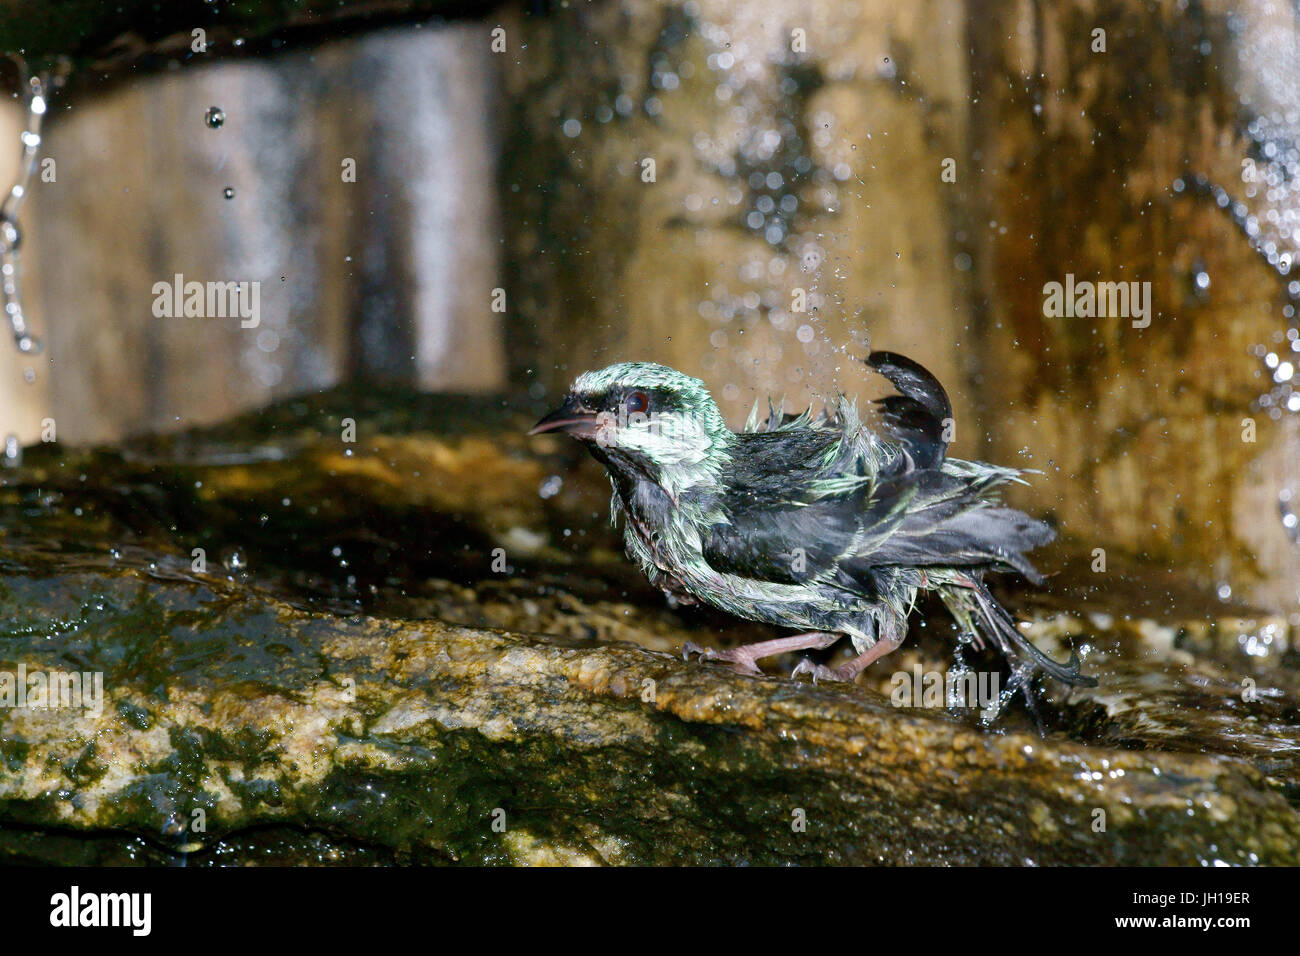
812 523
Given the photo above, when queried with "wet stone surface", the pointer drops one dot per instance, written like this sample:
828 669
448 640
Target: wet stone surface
396 643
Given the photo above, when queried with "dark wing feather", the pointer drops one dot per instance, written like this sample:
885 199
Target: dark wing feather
976 536
916 518
950 522
782 541
916 514
778 530
919 416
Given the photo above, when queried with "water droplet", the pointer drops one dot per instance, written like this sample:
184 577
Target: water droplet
13 454
551 486
228 193
215 117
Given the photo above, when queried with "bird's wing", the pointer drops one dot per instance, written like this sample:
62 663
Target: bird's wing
976 535
782 541
817 499
916 518
954 517
920 417
791 519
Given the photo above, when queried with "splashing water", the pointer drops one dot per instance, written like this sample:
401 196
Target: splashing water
1290 521
12 454
1269 215
1282 372
10 238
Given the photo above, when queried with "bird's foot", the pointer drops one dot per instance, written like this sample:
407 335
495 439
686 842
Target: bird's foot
744 659
820 672
741 659
848 672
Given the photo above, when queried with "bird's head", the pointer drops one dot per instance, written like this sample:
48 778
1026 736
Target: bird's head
647 420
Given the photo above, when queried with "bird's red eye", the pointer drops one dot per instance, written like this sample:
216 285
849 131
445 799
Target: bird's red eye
637 403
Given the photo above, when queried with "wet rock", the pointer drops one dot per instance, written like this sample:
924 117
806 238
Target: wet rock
415 738
402 701
1225 686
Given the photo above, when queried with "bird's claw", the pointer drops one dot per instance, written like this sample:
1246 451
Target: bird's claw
740 662
804 666
816 671
690 647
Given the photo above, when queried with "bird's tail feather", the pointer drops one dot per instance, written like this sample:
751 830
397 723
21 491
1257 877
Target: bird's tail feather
976 609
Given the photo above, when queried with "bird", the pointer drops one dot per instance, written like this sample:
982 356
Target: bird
815 523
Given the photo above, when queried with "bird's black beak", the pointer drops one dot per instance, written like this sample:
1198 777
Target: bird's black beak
570 417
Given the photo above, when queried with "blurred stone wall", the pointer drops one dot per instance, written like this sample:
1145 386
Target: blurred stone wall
796 150
24 393
1175 442
389 276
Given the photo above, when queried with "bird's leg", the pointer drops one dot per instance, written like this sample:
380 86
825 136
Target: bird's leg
743 658
887 641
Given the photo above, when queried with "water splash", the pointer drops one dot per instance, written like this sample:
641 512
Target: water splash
1268 216
1290 521
35 89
